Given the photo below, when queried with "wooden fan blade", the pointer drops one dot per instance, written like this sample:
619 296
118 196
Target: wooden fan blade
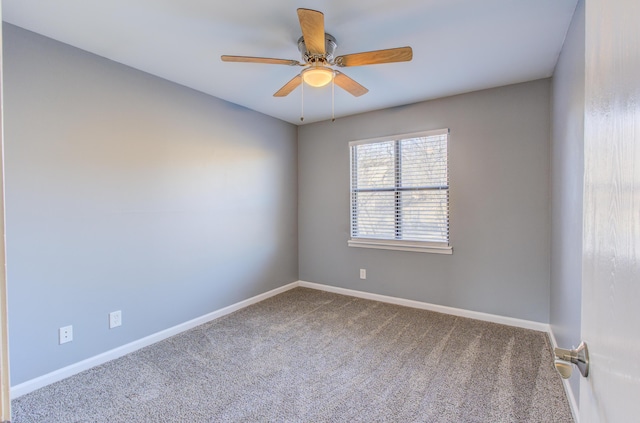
400 54
265 60
349 85
312 26
289 86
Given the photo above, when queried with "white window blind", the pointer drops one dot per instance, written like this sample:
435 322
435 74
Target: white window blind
400 192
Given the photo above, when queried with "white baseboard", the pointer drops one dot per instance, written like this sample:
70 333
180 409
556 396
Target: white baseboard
567 386
65 372
510 321
55 376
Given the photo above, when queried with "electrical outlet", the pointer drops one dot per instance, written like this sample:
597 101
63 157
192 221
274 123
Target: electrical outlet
115 319
363 273
65 334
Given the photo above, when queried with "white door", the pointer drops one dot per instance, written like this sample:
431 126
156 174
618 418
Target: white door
611 251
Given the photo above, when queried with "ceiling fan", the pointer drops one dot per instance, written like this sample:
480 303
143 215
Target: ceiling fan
317 48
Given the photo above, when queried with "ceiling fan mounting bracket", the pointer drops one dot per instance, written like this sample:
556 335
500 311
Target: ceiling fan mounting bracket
330 47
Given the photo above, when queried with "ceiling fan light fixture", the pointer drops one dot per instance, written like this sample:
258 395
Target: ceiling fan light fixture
317 76
317 49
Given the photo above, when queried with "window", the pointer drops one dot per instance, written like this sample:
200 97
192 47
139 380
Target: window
400 193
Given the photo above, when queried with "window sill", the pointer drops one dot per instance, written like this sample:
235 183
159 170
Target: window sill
417 247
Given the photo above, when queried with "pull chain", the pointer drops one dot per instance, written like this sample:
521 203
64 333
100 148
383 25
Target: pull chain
302 102
333 91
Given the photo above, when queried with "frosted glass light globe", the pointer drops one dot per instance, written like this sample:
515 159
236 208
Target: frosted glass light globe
317 76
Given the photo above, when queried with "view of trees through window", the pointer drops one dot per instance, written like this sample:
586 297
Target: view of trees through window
400 189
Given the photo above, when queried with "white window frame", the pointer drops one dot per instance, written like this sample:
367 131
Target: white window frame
395 244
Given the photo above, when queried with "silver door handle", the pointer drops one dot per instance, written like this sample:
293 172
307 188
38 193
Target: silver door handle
565 358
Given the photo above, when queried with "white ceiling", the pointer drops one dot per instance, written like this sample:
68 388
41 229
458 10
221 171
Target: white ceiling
458 45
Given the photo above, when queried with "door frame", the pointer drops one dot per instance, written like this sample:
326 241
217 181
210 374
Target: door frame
5 387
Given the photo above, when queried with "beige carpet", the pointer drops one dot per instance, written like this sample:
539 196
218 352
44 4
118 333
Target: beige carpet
312 356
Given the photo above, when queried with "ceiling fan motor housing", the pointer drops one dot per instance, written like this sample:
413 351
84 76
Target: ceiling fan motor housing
330 46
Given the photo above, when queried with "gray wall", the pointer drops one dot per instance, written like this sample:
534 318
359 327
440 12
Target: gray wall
567 169
127 192
500 219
